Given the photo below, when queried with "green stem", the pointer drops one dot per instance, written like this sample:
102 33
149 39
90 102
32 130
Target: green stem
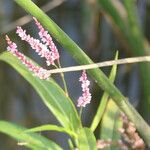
71 147
96 74
62 77
63 80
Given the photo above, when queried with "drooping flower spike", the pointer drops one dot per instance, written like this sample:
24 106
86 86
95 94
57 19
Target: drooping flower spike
38 71
47 39
86 95
46 49
40 48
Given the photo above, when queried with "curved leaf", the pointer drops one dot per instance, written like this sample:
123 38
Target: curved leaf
50 127
104 99
52 95
86 139
33 141
82 58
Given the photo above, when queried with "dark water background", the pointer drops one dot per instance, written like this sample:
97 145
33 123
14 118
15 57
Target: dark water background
87 26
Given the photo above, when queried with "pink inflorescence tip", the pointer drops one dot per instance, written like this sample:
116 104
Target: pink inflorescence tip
38 71
86 95
40 48
47 39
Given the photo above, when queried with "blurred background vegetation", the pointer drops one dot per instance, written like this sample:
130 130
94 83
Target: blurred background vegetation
100 27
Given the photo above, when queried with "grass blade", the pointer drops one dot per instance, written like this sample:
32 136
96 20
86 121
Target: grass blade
50 127
82 58
138 47
33 141
132 33
104 99
52 95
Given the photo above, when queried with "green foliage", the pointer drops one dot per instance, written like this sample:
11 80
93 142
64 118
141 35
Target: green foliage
104 99
82 58
52 95
130 31
33 141
50 127
61 105
110 124
139 47
86 139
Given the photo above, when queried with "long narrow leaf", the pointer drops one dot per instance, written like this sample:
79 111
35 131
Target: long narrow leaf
50 127
139 48
132 33
104 99
82 58
33 141
51 94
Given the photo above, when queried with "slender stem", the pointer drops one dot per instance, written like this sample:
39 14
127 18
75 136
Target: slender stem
70 143
63 79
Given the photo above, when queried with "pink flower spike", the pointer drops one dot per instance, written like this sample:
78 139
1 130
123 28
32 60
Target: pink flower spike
38 71
47 39
86 95
40 48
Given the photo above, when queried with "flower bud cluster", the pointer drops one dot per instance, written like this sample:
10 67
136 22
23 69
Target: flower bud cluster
38 71
86 95
45 48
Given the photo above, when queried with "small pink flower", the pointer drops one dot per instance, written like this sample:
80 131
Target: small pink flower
40 48
86 95
47 39
38 71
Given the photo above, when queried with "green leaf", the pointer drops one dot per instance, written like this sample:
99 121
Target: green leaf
86 139
140 48
33 141
71 146
52 95
134 39
82 58
110 124
50 127
104 99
